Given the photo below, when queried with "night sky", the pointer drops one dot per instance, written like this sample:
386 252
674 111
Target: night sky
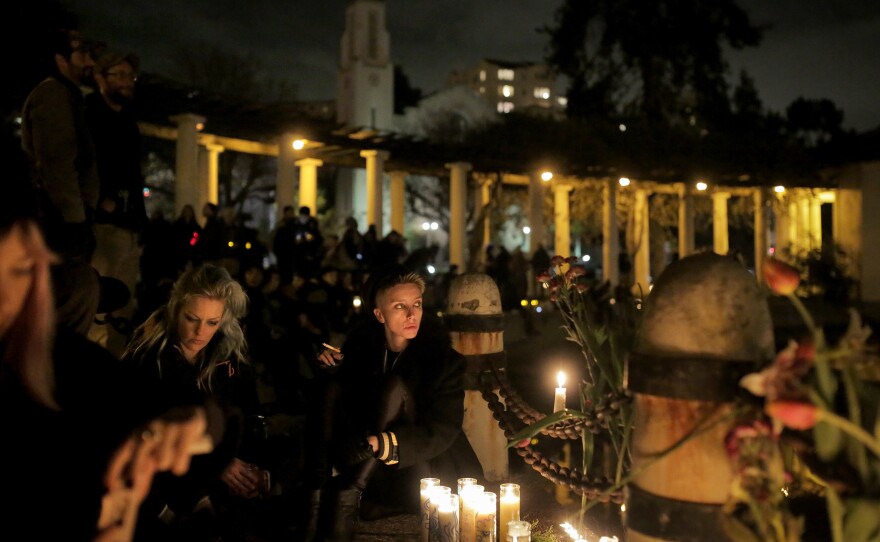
815 48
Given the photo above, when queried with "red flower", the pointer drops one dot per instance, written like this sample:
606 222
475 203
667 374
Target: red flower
574 272
543 277
793 414
782 278
556 261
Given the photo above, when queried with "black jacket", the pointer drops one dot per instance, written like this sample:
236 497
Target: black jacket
433 371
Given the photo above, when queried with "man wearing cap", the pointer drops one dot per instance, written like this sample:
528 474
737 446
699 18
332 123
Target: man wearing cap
120 217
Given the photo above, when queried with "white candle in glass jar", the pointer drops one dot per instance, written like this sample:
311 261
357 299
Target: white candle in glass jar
438 495
486 514
426 485
470 500
447 512
508 508
559 399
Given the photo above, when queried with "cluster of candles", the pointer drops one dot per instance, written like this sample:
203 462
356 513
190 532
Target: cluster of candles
472 514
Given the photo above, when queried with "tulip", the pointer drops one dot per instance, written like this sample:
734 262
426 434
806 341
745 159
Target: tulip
782 278
793 414
543 277
556 261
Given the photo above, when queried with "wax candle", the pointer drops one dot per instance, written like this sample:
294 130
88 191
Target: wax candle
559 399
463 483
508 508
426 485
519 531
447 511
470 500
486 514
438 495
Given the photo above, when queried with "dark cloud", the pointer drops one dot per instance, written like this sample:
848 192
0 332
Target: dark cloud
812 48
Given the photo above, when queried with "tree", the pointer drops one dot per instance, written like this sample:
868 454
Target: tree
814 121
405 95
657 59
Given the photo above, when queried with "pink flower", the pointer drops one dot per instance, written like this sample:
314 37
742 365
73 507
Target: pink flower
574 272
782 278
793 414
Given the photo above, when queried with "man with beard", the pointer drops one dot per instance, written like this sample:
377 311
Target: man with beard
55 138
120 217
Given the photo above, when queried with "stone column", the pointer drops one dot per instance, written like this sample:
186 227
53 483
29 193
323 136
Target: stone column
211 170
308 183
286 174
186 171
815 221
398 207
721 239
642 230
485 199
610 235
685 221
795 243
562 219
760 231
457 211
375 172
781 225
805 216
536 211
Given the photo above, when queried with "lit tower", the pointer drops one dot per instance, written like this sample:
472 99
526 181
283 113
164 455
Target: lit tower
364 92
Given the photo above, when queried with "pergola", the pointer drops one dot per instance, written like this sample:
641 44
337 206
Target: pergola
302 144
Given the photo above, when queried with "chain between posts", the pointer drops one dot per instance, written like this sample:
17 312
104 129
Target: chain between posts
593 488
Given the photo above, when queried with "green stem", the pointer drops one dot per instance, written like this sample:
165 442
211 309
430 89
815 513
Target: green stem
851 429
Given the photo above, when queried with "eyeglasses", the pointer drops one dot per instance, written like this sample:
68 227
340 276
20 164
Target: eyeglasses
123 75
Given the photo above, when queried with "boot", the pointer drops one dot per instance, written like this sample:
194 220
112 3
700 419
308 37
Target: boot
345 515
314 512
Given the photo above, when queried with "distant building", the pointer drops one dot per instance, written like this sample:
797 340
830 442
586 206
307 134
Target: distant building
509 86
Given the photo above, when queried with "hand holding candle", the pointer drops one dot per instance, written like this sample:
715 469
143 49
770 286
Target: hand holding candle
559 399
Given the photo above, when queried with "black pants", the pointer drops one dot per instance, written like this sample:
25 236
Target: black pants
335 440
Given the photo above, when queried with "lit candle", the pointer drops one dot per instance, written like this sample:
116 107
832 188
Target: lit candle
519 531
508 508
447 511
470 501
426 485
463 483
438 495
485 523
559 400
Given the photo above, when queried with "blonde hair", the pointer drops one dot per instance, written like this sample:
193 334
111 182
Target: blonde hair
30 338
160 329
389 281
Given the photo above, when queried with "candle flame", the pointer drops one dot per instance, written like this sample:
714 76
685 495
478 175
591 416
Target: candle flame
560 379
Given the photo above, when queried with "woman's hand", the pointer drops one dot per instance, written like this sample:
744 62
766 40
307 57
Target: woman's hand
244 479
330 356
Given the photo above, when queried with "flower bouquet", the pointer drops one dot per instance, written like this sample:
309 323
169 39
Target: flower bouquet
814 433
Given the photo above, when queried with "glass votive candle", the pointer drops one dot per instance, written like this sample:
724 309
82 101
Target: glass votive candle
486 514
426 485
438 495
508 508
470 501
519 531
447 512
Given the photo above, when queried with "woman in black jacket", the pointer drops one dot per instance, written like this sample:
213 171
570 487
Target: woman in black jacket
392 409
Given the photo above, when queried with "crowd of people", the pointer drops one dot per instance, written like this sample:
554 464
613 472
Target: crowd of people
160 381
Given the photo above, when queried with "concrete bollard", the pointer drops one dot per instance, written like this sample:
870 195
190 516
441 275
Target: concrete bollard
476 326
706 324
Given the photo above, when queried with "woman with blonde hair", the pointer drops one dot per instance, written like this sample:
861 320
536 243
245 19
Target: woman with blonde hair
191 348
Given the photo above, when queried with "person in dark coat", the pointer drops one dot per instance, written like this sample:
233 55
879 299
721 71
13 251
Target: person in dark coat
392 413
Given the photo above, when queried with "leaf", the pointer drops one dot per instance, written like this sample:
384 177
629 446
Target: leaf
836 511
829 440
862 520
